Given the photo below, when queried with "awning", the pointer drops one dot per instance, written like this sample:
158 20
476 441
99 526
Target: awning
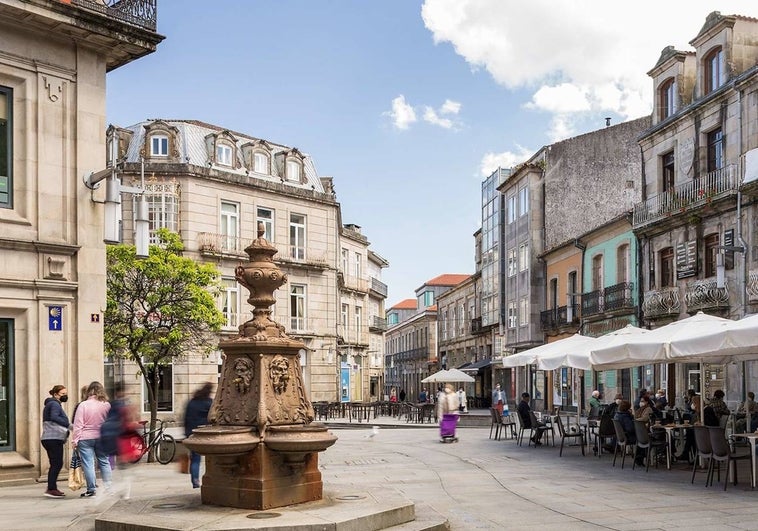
476 366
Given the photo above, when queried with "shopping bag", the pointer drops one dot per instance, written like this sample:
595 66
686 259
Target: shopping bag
75 475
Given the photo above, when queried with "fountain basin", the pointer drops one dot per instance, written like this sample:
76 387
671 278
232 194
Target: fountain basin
223 440
298 438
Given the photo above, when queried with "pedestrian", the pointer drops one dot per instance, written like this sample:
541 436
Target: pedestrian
82 398
196 415
498 399
55 427
422 396
462 405
90 416
393 395
119 424
402 395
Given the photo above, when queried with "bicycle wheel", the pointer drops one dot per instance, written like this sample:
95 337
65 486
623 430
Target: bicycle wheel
165 450
131 448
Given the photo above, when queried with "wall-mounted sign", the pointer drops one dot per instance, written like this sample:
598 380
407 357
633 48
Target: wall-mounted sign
686 259
55 318
729 255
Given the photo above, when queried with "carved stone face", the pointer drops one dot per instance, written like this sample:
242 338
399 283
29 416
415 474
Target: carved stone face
243 375
279 374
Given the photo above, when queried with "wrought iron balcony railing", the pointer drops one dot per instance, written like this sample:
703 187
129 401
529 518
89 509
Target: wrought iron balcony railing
592 303
661 302
378 287
752 286
683 197
140 13
618 296
377 323
557 317
705 295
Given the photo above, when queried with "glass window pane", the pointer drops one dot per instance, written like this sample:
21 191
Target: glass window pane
6 385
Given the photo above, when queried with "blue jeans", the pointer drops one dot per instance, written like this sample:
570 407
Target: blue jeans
89 452
195 468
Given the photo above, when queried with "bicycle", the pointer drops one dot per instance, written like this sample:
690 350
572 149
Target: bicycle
138 444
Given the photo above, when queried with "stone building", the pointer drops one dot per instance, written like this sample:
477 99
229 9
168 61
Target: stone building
54 57
213 187
696 220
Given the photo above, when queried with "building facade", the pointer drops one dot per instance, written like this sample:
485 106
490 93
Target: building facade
54 58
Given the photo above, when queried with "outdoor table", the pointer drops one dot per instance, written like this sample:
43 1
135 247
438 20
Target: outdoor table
670 437
751 438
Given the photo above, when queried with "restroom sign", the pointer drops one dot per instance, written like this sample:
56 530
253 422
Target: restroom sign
55 318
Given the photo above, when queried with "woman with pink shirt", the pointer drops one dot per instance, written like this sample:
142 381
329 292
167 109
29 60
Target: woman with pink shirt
90 415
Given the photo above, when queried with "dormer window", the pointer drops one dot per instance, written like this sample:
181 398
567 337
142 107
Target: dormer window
714 70
667 94
224 154
293 171
159 146
261 163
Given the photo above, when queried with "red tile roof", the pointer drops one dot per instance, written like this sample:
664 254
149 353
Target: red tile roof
446 280
406 304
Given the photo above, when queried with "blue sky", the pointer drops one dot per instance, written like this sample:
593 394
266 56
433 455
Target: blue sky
408 104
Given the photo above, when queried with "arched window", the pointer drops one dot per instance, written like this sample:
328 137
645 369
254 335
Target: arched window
293 170
667 98
714 70
261 163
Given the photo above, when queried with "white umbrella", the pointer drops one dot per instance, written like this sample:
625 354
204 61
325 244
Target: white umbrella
448 375
528 357
653 346
732 341
570 352
615 340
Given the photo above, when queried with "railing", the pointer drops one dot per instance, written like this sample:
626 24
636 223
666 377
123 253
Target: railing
694 193
140 13
377 323
557 317
752 286
413 354
662 302
352 336
221 244
378 287
354 283
295 254
618 296
704 294
592 302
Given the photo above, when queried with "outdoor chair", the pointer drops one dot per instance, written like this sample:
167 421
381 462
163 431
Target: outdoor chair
703 450
570 436
722 452
644 442
622 442
496 425
523 427
538 428
428 413
507 423
604 432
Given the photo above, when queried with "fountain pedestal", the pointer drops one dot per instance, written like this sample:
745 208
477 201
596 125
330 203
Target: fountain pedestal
261 446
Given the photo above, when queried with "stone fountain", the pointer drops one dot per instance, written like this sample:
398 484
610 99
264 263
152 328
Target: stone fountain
261 445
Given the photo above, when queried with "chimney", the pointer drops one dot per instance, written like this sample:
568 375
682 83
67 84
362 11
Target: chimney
607 121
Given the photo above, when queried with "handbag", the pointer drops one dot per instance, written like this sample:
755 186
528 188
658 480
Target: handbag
75 475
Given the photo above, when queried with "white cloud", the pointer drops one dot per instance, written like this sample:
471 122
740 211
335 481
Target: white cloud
577 56
450 107
402 114
508 159
431 116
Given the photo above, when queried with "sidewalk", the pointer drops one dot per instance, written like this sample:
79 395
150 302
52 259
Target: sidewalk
477 483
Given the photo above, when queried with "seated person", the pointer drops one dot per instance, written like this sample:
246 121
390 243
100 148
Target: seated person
689 434
748 409
692 405
644 412
718 404
624 416
660 396
593 411
526 420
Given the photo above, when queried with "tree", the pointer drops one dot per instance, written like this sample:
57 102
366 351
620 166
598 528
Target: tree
159 308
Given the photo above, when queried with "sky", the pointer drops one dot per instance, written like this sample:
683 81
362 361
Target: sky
407 104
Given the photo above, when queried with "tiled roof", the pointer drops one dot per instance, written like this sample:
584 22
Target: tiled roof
448 279
406 304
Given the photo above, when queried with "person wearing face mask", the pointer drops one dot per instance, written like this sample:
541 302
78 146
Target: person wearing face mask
660 398
55 427
644 411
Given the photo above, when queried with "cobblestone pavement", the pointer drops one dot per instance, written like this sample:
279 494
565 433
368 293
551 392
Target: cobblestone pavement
476 483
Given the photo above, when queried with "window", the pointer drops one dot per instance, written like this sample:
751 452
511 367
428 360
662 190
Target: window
165 376
523 257
163 208
512 314
523 201
511 262
7 389
297 236
293 171
453 323
345 261
512 209
297 307
714 71
266 216
428 297
6 151
229 225
572 287
711 250
668 175
553 294
358 322
358 266
443 328
462 319
523 312
667 267
392 319
715 150
622 264
224 154
597 272
344 314
159 146
667 95
260 163
230 302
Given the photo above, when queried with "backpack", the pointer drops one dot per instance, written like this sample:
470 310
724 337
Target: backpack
111 429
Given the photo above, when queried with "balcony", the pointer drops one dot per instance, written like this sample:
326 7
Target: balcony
298 256
664 302
476 326
610 299
210 244
705 295
351 283
377 324
687 196
350 335
378 287
221 245
140 13
558 317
